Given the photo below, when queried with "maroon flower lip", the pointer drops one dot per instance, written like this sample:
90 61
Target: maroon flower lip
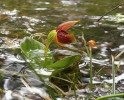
62 36
65 38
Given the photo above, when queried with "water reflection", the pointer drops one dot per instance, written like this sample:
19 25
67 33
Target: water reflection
122 34
11 13
68 3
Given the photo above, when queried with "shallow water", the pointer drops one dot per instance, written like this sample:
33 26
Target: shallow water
19 19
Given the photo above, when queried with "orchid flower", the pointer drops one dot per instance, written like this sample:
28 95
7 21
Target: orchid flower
60 36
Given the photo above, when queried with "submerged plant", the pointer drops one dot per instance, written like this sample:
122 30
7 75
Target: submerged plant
60 36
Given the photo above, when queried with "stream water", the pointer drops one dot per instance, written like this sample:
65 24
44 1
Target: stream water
21 18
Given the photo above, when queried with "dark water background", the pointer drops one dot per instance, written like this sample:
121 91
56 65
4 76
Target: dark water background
21 18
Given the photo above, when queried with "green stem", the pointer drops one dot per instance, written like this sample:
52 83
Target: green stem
91 74
113 75
110 96
87 50
85 45
75 87
119 54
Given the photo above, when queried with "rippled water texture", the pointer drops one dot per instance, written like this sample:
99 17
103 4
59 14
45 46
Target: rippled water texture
21 18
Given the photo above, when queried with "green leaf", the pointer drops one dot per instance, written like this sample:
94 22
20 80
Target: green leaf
34 51
1 81
65 62
49 40
31 44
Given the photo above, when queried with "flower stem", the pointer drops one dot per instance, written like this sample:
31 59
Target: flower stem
91 74
75 87
113 75
85 45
